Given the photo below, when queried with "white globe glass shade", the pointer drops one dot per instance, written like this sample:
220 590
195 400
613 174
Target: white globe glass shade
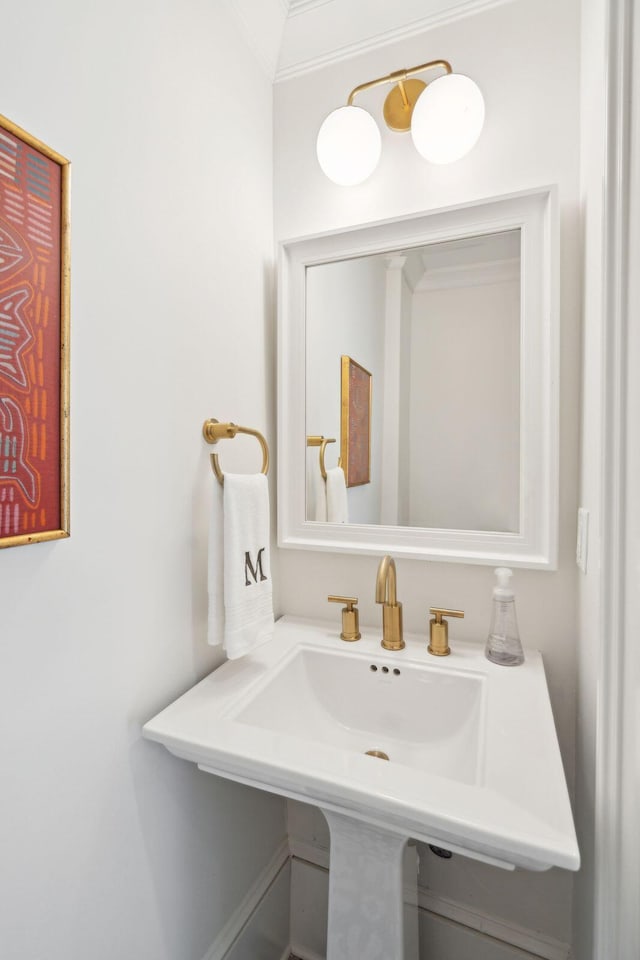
349 146
448 118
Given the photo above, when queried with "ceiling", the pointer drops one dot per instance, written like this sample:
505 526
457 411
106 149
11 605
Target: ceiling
291 37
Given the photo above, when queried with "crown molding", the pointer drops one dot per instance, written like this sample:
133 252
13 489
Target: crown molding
468 275
261 23
296 7
450 10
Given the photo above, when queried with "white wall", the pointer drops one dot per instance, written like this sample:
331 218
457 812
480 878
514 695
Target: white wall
531 137
110 846
464 454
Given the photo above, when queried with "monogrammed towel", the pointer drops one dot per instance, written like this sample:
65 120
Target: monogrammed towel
239 565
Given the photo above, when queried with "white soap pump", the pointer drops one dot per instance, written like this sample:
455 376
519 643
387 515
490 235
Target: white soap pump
503 643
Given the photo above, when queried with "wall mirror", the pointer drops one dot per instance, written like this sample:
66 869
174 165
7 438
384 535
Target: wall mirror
421 356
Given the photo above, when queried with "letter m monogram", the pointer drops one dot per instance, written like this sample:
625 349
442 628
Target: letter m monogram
250 569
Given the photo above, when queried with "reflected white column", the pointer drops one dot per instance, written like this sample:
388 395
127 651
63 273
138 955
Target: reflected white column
366 894
390 433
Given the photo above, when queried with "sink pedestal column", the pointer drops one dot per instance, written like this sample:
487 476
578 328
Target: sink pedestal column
366 894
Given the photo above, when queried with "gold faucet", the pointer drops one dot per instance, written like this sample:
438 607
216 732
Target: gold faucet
391 609
350 619
439 631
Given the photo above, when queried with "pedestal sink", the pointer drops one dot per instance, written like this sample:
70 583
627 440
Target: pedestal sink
473 760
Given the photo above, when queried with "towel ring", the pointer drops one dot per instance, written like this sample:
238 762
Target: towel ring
323 448
213 430
320 441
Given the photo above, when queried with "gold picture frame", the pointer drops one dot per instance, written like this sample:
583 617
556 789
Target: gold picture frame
355 421
34 350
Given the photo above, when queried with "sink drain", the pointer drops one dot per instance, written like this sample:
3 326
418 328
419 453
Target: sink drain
380 754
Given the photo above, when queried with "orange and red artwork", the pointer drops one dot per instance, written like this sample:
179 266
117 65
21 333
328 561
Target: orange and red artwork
34 316
355 424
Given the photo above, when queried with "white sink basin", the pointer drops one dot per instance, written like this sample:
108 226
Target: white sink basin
474 764
423 717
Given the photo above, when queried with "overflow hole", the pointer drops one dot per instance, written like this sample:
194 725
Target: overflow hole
440 852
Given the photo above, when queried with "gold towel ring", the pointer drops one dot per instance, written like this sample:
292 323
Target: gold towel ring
323 447
213 430
319 441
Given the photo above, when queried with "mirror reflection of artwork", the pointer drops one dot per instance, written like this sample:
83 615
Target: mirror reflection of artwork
355 432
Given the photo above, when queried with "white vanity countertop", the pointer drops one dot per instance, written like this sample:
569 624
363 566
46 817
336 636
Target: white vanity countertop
284 719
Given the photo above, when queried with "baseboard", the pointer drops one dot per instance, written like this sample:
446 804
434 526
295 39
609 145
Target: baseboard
528 943
262 918
310 852
531 942
262 915
302 953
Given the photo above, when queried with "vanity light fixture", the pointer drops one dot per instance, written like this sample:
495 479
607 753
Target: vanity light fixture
445 118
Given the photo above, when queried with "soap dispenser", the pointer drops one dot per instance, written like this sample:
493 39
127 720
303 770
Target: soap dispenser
503 643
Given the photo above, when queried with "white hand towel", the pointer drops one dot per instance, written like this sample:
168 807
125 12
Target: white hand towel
216 566
336 496
316 488
245 570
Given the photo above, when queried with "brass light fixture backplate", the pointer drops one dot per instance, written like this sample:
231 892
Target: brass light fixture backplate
396 115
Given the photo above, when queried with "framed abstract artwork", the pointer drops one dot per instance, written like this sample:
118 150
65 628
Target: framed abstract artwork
34 339
355 422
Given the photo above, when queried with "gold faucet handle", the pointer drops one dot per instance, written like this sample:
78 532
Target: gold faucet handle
350 618
439 630
440 612
350 601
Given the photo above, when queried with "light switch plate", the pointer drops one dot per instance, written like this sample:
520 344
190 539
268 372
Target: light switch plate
582 540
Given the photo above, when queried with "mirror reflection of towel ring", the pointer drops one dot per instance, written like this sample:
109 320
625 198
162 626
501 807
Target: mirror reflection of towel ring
323 447
213 430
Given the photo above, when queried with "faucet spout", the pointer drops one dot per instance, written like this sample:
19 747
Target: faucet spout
386 581
391 609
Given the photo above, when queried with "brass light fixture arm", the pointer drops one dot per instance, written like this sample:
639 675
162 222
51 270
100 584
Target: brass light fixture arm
399 76
213 430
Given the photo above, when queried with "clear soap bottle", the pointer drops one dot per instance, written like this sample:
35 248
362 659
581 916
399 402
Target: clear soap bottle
503 643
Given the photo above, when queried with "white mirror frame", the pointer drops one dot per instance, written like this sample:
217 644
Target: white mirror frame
535 213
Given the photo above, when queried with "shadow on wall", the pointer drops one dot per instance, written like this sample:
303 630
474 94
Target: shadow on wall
198 825
205 657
